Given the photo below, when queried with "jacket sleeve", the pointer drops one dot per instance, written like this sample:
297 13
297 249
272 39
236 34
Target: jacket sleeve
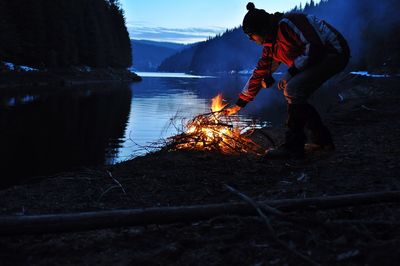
265 67
304 44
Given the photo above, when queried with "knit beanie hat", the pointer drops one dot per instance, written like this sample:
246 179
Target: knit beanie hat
256 20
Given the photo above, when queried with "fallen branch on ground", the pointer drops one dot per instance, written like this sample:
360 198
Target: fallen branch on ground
52 223
379 223
268 223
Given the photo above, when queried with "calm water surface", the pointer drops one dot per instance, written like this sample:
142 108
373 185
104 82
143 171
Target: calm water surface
47 130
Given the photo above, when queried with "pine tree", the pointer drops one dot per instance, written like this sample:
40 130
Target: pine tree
63 33
9 39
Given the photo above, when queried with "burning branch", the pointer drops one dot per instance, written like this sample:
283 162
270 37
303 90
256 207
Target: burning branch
215 131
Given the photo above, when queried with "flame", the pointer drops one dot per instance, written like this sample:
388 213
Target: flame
214 131
216 103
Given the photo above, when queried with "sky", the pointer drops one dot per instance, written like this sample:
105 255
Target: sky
188 21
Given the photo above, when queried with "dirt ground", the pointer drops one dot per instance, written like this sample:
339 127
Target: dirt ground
367 135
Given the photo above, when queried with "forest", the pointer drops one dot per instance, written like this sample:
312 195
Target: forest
370 27
49 34
221 53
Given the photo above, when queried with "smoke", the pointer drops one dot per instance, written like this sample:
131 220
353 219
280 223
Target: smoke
371 28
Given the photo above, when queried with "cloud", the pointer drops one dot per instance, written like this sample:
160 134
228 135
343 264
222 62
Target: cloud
179 35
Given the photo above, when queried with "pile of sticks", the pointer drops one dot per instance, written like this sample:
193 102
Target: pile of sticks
215 132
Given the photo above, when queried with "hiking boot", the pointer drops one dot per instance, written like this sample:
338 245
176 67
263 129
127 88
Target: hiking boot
320 137
283 152
294 136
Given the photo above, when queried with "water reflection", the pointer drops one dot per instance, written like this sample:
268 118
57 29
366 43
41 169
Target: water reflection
47 130
157 110
160 106
60 129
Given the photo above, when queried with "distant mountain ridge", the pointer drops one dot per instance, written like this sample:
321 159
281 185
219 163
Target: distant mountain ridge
148 55
231 51
172 45
181 61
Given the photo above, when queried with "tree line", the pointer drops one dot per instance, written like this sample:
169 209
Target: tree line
64 33
230 51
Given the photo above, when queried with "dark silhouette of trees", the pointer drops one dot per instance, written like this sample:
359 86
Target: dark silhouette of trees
9 40
148 55
63 33
180 62
231 51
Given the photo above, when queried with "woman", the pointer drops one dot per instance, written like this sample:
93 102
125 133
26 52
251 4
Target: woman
314 51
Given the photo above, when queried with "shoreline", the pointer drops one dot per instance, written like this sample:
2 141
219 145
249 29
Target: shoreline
65 77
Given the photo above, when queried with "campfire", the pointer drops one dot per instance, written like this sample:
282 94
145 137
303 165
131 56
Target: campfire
215 131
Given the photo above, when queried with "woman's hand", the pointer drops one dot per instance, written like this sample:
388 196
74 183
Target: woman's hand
284 80
231 110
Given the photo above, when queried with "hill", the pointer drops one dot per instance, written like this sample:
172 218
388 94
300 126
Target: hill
148 55
222 53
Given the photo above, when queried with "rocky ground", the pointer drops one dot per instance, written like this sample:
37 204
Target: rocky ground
366 129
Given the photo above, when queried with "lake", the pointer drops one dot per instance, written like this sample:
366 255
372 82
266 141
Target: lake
45 130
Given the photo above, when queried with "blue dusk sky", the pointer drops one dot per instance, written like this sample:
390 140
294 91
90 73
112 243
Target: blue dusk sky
188 21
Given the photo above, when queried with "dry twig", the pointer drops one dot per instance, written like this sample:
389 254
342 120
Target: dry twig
268 223
215 132
116 181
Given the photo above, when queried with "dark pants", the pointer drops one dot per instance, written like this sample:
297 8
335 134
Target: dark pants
300 113
301 86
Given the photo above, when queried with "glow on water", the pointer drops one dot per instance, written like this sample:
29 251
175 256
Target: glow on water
158 115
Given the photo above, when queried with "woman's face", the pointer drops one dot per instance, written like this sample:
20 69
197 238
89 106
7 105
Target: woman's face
258 39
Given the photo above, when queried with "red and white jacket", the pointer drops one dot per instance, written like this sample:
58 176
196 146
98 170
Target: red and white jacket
301 41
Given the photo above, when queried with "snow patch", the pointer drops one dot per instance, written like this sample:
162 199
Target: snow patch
246 72
28 69
250 72
10 66
28 98
14 67
85 69
366 74
23 99
11 102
